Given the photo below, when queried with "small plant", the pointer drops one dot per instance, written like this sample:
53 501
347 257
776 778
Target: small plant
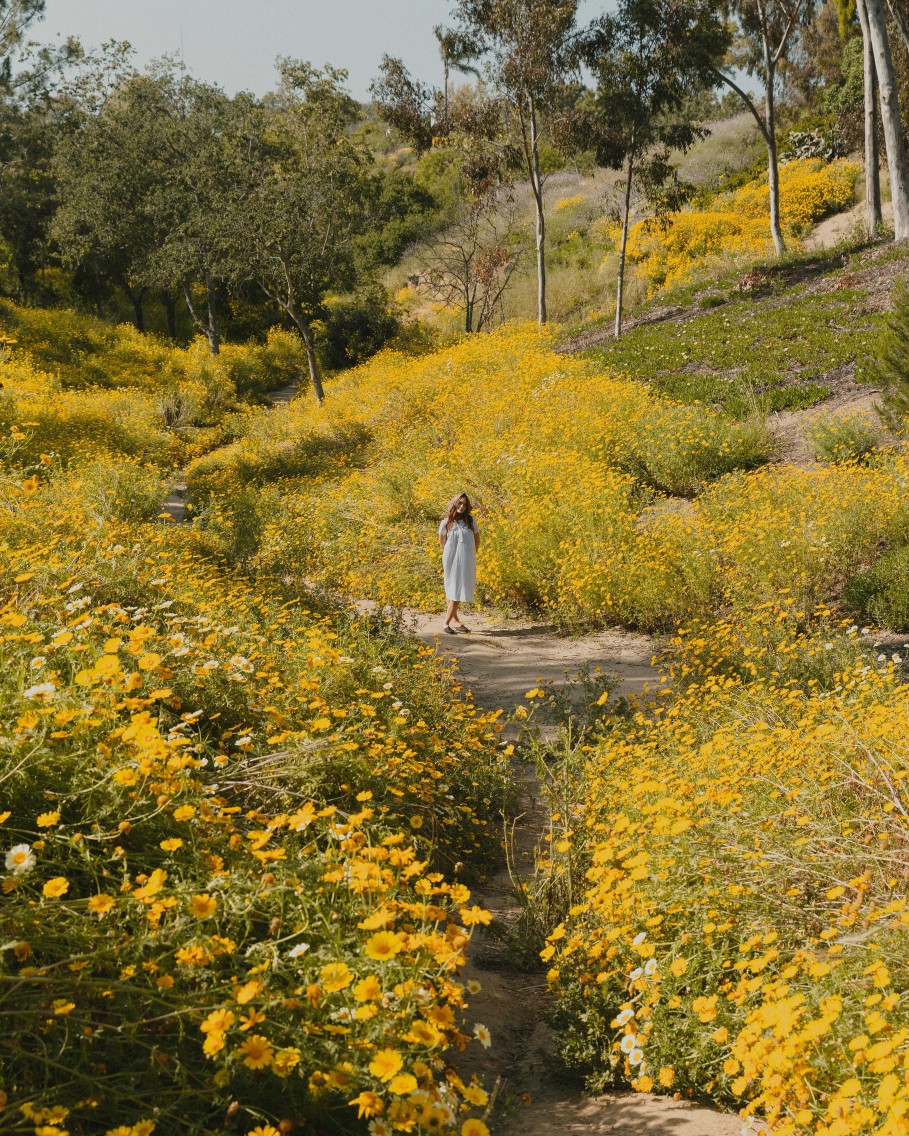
888 361
836 440
881 594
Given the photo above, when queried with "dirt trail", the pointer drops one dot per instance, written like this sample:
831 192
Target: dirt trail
499 662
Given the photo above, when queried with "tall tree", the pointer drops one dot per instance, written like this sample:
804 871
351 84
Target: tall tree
873 216
297 199
405 103
15 18
109 170
530 51
876 20
457 54
768 31
649 58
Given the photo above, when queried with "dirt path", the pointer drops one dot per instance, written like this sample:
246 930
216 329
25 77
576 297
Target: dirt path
499 662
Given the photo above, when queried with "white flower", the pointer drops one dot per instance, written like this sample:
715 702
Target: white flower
635 1057
483 1036
245 740
628 1043
650 967
211 665
42 690
181 651
20 858
38 661
638 939
387 685
345 659
624 1016
299 949
636 974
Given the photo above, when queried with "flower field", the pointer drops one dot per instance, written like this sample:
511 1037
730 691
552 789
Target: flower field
575 475
238 832
240 827
736 225
739 893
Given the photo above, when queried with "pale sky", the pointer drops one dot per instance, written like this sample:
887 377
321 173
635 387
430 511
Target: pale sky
235 42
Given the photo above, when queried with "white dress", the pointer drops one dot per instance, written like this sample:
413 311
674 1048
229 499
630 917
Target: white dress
459 560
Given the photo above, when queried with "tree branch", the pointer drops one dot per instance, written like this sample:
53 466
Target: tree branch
746 100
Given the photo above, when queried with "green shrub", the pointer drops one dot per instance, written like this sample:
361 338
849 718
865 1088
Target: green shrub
836 439
356 328
887 364
881 594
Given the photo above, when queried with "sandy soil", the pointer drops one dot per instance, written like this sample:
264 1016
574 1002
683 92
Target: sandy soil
504 658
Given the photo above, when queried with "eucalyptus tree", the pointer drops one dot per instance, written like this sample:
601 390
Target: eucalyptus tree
874 28
649 58
873 215
768 32
299 198
529 52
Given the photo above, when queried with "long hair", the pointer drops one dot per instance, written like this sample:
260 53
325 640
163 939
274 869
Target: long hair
453 512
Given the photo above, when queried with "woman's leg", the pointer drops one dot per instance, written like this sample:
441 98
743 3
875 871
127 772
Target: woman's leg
451 610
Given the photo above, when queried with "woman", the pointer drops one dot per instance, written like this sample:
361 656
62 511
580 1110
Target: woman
459 539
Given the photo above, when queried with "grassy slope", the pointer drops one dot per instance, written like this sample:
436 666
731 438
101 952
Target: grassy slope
796 338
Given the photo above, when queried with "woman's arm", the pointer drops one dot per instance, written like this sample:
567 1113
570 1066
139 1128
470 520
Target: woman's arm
442 538
476 538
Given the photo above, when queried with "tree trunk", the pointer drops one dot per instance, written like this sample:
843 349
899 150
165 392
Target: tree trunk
773 167
214 340
315 374
899 21
170 314
873 216
890 116
137 299
537 187
620 282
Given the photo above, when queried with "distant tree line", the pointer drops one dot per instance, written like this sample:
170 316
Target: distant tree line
652 62
161 187
218 209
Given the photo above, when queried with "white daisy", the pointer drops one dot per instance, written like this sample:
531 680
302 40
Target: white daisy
20 858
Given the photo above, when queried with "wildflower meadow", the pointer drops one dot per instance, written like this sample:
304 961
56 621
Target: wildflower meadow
244 827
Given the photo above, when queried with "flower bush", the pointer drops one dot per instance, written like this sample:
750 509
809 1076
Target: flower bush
739 904
234 836
83 351
736 226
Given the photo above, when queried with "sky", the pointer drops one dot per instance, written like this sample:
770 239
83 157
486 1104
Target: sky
235 42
